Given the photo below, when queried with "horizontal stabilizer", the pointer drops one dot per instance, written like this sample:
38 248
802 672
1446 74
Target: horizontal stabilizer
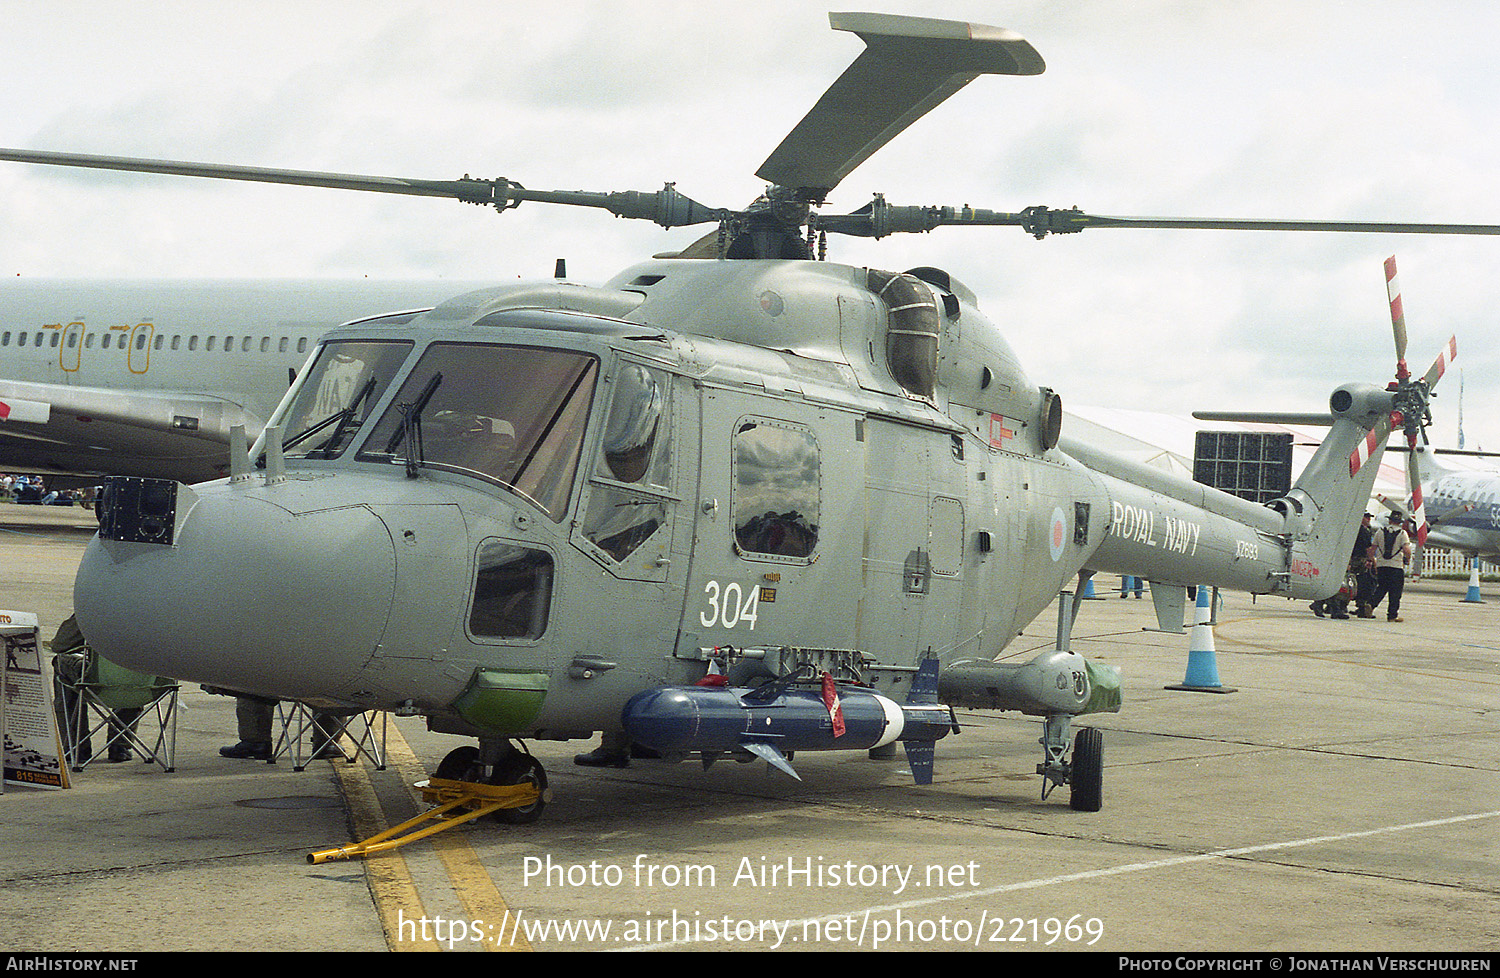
1267 417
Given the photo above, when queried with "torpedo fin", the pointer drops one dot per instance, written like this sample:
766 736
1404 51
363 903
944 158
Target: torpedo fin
771 756
924 683
920 754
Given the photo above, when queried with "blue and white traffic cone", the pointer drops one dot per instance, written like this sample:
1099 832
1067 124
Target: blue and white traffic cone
1088 590
1202 665
1473 596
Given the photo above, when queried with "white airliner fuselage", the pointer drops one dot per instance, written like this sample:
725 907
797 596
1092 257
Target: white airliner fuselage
147 377
1464 511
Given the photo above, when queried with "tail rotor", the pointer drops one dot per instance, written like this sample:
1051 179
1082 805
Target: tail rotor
1409 403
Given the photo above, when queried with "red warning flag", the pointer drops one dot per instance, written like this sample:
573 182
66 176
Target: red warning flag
831 700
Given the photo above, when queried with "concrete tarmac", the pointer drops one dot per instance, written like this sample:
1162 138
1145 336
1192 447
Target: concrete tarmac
1345 798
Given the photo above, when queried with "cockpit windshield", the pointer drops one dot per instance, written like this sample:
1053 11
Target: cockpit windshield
509 414
342 385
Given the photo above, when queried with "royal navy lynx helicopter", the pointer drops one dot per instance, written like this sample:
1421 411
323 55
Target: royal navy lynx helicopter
737 502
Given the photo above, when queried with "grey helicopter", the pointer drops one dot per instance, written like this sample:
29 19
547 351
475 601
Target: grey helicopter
738 502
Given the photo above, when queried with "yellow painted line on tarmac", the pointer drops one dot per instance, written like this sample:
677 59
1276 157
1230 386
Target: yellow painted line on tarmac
386 874
391 883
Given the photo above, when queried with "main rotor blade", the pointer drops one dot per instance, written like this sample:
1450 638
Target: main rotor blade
879 218
468 189
910 65
1220 224
666 207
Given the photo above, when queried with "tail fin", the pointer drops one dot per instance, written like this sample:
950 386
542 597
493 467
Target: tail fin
1322 511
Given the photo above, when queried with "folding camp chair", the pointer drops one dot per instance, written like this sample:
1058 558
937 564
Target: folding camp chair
104 700
305 734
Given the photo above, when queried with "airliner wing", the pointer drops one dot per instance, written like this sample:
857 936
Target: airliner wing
57 429
1466 540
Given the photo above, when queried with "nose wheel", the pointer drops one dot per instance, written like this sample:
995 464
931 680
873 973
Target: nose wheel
508 765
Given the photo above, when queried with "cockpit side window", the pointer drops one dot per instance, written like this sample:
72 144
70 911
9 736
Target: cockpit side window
633 469
512 593
511 415
634 449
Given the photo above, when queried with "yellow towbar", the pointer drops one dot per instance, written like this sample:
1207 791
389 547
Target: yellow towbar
458 802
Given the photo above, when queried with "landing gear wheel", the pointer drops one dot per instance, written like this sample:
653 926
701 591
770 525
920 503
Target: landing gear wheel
460 764
1087 777
526 770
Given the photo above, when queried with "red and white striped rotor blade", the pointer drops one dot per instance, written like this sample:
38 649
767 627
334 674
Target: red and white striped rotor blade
1449 354
1398 316
1414 482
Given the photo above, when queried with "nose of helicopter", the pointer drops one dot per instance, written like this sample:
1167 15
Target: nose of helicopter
248 596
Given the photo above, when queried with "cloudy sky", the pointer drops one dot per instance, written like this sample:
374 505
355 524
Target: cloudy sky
1369 110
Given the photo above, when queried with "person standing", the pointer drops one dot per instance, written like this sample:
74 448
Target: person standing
1362 564
1392 553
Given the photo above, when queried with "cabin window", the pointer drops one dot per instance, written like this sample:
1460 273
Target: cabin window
777 487
510 415
281 346
513 591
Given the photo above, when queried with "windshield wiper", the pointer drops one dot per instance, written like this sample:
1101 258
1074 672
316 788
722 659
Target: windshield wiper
410 429
335 442
343 416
